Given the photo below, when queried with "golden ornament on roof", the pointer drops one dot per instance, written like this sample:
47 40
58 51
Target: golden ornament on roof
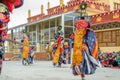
83 6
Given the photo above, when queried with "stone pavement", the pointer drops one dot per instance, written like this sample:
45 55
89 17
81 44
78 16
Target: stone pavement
44 70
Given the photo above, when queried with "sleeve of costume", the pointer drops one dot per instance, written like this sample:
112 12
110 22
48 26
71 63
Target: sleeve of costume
92 43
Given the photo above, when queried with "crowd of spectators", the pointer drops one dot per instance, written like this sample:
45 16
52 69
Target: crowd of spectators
110 59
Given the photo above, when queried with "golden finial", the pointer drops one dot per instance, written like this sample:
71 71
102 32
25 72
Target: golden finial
29 13
61 2
48 5
42 8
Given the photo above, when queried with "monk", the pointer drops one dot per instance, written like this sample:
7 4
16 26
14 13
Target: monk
25 50
85 50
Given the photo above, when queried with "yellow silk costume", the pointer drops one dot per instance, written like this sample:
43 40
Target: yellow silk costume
25 49
78 45
57 54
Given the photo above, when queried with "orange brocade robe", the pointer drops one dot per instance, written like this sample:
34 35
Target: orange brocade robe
77 48
25 50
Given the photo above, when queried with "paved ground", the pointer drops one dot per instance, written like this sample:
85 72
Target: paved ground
43 70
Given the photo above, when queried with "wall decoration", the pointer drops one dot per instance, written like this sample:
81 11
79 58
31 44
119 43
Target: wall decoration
99 19
116 15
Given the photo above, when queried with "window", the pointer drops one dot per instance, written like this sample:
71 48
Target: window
116 6
107 36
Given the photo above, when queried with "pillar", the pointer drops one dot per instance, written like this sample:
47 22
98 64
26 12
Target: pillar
37 38
62 24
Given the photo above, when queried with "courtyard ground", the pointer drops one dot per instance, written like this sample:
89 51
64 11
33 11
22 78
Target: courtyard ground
44 70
